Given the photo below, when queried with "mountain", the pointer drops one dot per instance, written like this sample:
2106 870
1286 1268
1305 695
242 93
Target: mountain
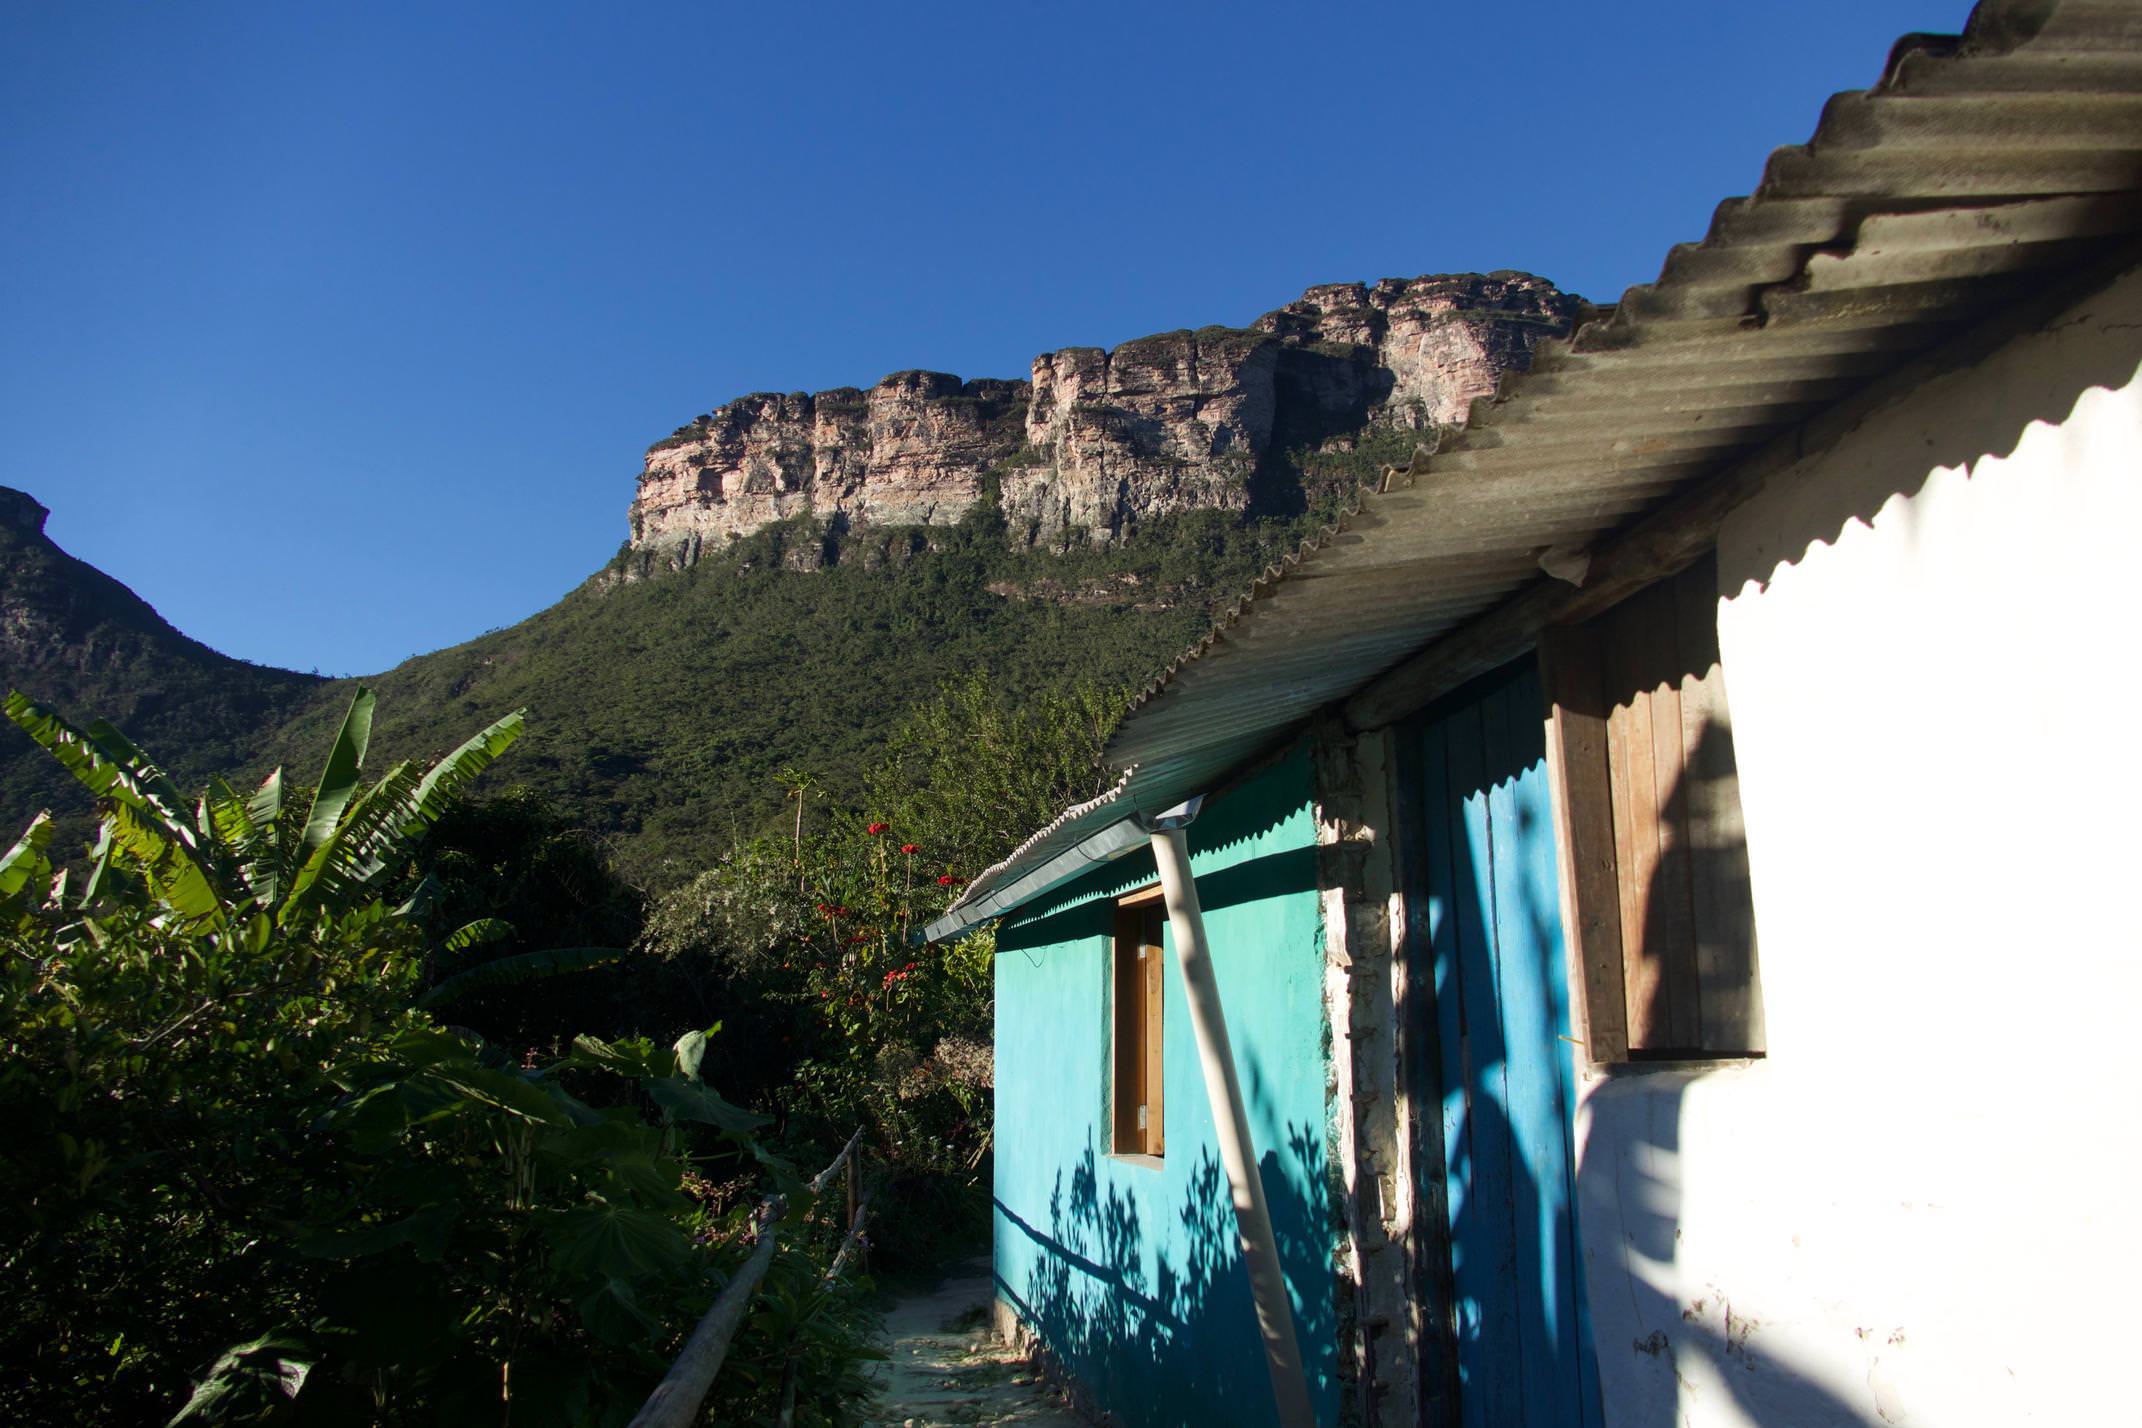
74 638
804 568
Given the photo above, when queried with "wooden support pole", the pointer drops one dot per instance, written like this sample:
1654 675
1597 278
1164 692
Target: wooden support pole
1230 1118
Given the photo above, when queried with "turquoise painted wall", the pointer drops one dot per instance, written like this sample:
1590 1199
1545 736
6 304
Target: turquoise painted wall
1131 1271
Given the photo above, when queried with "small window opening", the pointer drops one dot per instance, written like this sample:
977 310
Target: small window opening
1140 987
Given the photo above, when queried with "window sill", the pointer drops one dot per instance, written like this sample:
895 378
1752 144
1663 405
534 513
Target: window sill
1142 1161
1690 1065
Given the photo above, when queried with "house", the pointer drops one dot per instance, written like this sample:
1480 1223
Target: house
1626 929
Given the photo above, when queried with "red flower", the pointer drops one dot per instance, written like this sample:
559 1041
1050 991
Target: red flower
875 829
946 881
910 849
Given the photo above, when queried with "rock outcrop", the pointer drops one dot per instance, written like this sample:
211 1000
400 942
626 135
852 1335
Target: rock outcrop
20 511
1097 440
910 451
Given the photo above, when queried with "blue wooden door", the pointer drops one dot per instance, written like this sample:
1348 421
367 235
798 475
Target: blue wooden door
1512 1345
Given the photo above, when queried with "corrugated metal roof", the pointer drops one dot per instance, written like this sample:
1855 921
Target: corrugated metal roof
1980 168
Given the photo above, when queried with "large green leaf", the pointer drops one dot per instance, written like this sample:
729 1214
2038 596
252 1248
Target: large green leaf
380 824
691 1050
691 1101
248 1380
250 830
100 866
522 967
69 745
373 1120
452 774
26 863
477 933
345 763
144 814
338 873
614 1241
428 1046
650 1183
506 1090
601 1137
613 1314
138 771
176 879
635 1057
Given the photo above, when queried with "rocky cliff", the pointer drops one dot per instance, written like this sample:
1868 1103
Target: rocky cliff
1097 440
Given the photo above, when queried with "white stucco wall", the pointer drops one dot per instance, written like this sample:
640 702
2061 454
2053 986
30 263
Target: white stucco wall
1923 1208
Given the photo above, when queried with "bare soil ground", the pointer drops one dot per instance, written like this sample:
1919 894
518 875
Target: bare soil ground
945 1366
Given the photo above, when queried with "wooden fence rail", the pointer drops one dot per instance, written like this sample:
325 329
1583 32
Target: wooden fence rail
848 1247
676 1399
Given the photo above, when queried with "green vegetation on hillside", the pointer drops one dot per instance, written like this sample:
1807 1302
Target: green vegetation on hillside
665 703
665 707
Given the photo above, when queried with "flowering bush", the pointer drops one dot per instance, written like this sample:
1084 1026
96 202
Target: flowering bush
813 933
828 924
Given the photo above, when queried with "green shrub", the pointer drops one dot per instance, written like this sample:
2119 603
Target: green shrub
251 1178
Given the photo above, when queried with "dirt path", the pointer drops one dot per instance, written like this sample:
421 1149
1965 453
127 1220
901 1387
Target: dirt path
947 1368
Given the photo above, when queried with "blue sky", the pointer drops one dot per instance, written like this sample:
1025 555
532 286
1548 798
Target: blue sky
337 332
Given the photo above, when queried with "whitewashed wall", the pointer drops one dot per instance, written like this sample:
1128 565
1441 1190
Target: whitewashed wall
1923 1208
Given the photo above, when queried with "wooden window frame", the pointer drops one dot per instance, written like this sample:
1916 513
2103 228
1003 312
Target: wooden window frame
1138 1043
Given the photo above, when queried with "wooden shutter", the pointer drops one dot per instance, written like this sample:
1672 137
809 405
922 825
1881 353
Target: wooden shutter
1140 991
1647 796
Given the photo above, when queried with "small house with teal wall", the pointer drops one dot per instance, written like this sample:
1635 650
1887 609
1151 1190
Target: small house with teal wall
1626 928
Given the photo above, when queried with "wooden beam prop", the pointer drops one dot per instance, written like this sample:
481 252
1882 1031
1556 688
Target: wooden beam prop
1230 1119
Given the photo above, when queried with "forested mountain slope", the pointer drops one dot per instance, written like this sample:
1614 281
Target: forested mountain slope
669 712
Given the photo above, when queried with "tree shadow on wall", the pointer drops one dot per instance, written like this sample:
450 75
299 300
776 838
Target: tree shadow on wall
1157 1324
1528 1321
1506 1339
1630 1177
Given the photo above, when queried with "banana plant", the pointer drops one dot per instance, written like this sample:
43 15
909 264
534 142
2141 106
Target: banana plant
249 863
226 1098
